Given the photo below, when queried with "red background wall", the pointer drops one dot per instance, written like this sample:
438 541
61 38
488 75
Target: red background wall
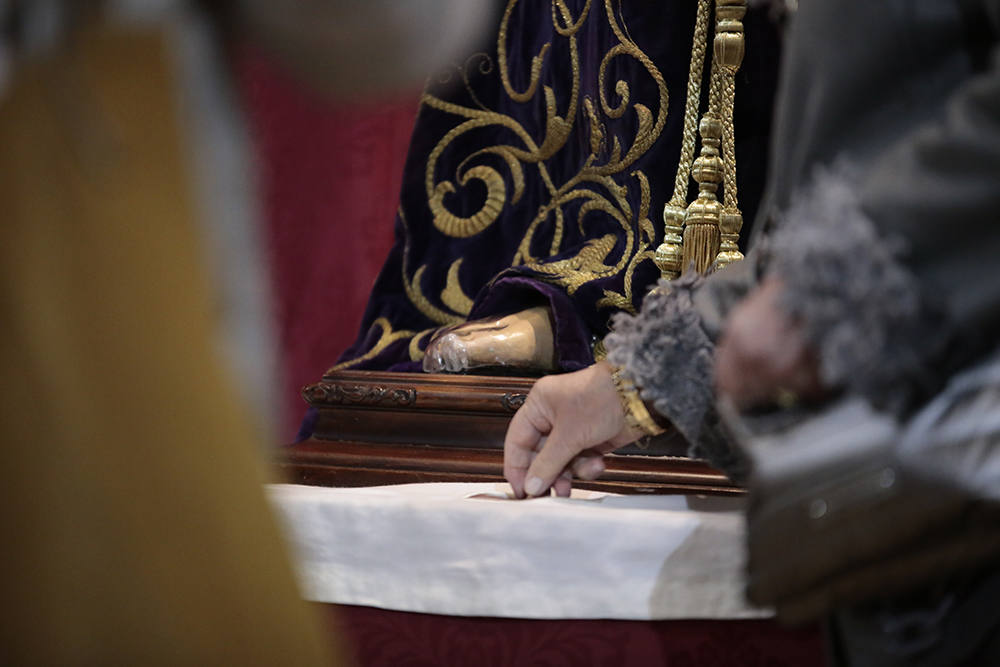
329 174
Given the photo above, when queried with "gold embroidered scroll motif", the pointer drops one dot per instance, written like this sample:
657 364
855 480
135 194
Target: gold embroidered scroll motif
593 184
603 194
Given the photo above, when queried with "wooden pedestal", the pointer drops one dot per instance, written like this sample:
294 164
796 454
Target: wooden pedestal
378 428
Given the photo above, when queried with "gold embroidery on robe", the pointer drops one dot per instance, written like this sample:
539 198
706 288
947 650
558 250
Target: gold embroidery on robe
594 183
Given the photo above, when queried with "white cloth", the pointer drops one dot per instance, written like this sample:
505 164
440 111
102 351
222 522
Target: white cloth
434 548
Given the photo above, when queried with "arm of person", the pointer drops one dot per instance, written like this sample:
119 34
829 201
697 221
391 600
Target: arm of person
668 351
569 421
566 425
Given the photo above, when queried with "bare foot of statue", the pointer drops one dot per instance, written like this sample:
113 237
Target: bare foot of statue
522 340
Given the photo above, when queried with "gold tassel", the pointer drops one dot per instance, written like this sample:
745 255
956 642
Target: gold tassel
711 228
701 224
669 255
701 245
730 225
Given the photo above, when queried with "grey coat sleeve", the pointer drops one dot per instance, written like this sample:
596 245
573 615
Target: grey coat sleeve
668 349
894 268
939 188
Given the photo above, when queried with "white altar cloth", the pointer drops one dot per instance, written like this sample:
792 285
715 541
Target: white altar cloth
434 548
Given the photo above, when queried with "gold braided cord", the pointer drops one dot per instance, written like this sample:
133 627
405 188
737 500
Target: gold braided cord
729 15
696 73
730 200
706 231
669 254
715 94
702 234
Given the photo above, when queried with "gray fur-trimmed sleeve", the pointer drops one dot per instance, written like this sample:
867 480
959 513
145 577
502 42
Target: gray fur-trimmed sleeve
666 351
860 306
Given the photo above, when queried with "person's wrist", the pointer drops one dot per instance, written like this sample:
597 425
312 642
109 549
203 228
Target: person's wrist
638 417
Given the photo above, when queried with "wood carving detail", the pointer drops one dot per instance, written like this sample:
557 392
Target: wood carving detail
513 401
357 394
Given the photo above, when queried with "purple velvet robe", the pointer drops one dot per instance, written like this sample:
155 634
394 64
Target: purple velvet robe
538 171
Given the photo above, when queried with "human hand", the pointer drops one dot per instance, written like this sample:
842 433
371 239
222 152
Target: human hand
763 358
566 425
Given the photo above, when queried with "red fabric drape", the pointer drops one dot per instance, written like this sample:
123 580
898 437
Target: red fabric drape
381 637
329 174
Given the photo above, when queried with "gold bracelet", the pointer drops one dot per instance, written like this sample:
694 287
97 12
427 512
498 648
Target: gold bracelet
636 414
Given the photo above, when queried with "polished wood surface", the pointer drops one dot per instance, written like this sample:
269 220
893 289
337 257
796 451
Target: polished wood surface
376 428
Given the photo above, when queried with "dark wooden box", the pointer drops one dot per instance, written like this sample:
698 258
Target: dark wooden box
378 428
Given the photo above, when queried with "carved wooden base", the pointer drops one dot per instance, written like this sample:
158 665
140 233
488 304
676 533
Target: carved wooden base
378 428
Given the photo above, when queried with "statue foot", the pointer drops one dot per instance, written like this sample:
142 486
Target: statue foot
521 340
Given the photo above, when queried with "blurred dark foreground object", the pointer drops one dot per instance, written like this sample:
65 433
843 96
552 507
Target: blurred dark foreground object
851 508
357 47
